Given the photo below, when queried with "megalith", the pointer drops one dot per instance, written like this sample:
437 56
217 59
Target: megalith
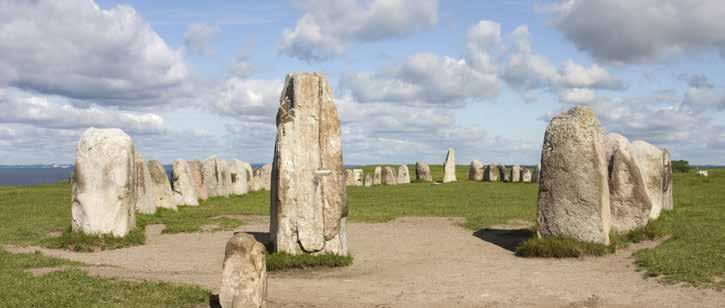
526 175
537 173
263 177
196 167
515 175
651 162
145 197
573 188
368 180
475 172
225 178
308 192
667 182
504 174
389 177
184 191
349 177
104 183
422 172
239 179
357 176
491 173
244 273
403 174
378 176
161 185
630 204
211 177
449 167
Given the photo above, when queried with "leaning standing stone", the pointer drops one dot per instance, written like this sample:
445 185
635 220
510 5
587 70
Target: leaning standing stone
263 177
103 194
389 177
244 273
161 185
516 174
526 175
184 191
378 176
475 173
651 162
197 177
449 167
422 172
403 175
238 174
629 203
491 173
573 189
308 197
145 197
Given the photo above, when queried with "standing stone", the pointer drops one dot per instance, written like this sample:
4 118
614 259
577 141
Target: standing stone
516 174
491 173
573 189
244 273
537 173
145 198
422 172
357 175
403 175
349 177
651 162
449 167
503 174
104 182
667 182
197 177
378 176
238 174
526 175
250 175
389 177
184 191
161 185
629 203
475 173
211 177
308 195
225 178
368 180
263 178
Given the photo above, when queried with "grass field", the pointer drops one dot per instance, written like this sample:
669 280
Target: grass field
695 252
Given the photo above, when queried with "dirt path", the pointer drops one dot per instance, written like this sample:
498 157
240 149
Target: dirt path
410 262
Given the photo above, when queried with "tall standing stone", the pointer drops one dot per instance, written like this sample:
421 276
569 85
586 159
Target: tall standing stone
378 176
629 203
212 178
368 180
239 179
389 177
263 177
196 167
145 197
422 172
491 173
504 173
537 173
357 176
526 175
667 182
573 188
516 174
184 191
475 173
225 178
652 165
104 182
349 177
308 195
403 174
250 175
161 185
449 167
244 273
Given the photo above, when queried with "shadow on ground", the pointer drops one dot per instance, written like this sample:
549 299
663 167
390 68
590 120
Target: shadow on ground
507 239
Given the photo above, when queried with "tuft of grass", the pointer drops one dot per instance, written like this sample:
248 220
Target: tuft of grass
561 247
279 261
81 242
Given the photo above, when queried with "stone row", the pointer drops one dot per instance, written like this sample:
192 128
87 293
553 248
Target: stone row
499 173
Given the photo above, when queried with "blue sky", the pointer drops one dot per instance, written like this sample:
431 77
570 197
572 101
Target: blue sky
189 79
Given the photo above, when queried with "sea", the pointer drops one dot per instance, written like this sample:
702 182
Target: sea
46 174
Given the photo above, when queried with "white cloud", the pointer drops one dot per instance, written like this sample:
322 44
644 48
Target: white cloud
248 99
328 26
577 96
198 37
76 49
628 31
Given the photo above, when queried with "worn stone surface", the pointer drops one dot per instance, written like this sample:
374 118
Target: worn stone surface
145 197
403 175
196 167
263 177
161 185
573 189
526 175
225 178
503 173
667 203
475 172
629 202
378 176
449 167
515 175
537 173
308 195
357 175
422 172
250 175
368 180
184 191
389 177
491 173
239 179
652 164
211 176
349 177
244 273
104 183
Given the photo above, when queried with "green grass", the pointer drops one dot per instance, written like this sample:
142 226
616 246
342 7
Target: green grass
77 241
282 261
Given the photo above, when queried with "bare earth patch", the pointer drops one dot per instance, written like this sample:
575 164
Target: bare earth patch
408 262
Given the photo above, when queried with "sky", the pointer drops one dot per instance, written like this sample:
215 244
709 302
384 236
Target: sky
411 78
